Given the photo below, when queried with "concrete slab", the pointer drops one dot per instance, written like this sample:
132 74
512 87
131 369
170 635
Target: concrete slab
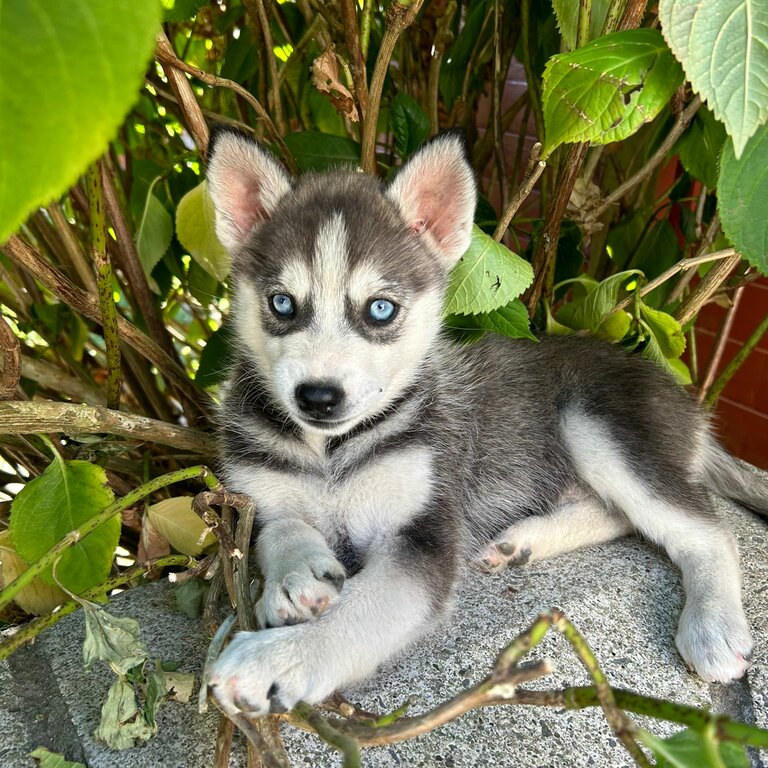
625 597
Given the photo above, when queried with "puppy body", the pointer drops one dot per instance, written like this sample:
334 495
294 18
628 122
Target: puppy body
379 455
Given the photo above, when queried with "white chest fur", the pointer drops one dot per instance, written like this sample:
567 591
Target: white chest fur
370 503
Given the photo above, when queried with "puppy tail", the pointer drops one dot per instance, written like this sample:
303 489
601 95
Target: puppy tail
733 479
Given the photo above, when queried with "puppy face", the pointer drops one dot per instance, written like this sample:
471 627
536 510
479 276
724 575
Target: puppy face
339 283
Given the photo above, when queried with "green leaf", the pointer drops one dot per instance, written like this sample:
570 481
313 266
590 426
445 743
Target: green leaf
122 719
700 147
614 327
114 639
567 15
69 73
589 312
175 521
666 329
609 88
154 233
315 151
190 597
511 321
686 749
742 199
215 358
52 759
180 10
64 497
488 276
653 350
723 46
195 228
410 124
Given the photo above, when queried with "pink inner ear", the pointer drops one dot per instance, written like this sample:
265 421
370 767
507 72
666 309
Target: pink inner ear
437 213
246 207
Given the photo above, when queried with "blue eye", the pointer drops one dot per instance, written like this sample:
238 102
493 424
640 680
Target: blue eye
283 305
381 310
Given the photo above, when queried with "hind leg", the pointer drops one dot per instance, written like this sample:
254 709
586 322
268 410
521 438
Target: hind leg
580 521
713 635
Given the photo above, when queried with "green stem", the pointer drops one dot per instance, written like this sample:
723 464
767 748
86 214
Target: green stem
53 554
736 363
347 745
581 697
365 27
98 221
585 13
35 627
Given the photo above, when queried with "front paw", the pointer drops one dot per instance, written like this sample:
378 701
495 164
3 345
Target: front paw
717 643
269 671
301 593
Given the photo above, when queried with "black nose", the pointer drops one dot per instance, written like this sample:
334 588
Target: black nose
318 400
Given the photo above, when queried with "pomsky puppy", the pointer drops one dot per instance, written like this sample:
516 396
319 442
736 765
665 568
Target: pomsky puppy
379 454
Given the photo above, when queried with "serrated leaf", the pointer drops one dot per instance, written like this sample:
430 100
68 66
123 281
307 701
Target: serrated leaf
49 759
653 351
686 750
410 124
114 639
567 15
666 329
122 719
65 496
315 151
723 46
175 520
37 597
606 90
511 321
154 233
69 73
742 198
700 146
195 228
488 276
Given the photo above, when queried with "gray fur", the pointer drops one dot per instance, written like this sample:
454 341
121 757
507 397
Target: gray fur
451 456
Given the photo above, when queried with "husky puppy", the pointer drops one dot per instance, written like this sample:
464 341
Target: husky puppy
379 454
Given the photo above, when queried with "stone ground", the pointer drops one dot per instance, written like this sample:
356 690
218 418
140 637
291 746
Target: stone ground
625 597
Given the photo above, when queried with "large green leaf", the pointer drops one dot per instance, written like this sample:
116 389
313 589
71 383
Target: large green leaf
742 198
511 321
410 124
606 90
196 230
589 312
723 45
488 276
69 73
64 497
686 749
567 14
315 151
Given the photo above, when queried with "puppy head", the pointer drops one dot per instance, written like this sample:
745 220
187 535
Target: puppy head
338 281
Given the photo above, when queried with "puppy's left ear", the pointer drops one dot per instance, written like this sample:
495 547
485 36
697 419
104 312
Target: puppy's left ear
436 194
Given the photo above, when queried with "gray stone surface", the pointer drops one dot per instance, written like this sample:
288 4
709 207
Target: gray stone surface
624 597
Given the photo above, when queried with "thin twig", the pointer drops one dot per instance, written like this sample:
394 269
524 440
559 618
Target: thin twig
722 339
400 16
658 157
716 277
736 363
352 37
443 38
11 370
29 417
534 170
103 266
218 496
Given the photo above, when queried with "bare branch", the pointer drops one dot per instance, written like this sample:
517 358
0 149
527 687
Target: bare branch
534 170
11 370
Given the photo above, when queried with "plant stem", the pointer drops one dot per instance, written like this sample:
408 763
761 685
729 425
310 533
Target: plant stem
22 417
400 16
365 27
585 13
104 282
704 290
443 38
11 371
534 170
352 36
32 629
71 538
344 743
737 362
